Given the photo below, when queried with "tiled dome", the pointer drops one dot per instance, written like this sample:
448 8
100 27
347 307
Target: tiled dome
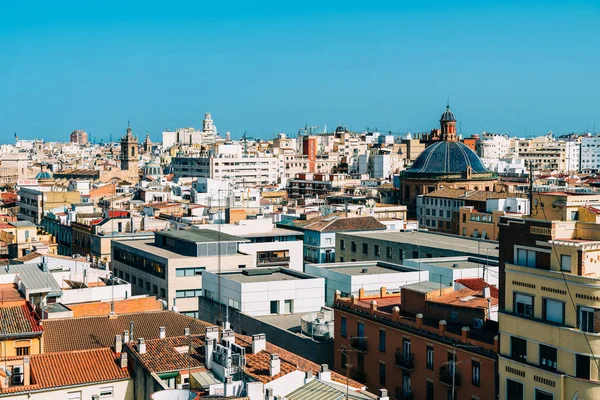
448 116
446 157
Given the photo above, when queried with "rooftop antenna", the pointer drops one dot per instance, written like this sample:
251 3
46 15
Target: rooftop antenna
448 101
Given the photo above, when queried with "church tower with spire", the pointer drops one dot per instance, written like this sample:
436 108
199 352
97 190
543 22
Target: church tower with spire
130 150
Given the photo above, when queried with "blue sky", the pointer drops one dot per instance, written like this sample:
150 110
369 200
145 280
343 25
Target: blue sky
273 67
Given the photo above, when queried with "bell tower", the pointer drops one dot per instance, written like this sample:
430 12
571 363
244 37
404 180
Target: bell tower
448 125
130 150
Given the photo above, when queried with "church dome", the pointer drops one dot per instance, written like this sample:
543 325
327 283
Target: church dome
43 175
446 158
448 116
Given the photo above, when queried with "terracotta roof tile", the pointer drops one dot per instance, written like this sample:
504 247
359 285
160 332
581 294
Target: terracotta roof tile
64 369
478 284
162 355
19 321
95 332
337 224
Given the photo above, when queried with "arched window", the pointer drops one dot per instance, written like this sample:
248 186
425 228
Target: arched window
132 151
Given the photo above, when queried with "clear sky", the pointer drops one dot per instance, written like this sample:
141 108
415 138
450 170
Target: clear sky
267 67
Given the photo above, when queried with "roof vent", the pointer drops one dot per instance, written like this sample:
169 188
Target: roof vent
142 346
364 271
454 265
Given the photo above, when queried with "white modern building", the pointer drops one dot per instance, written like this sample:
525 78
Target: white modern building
590 153
350 277
266 291
270 246
446 270
223 193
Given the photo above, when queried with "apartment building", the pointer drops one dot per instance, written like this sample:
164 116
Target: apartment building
35 202
590 153
545 153
397 246
170 266
561 206
427 342
549 309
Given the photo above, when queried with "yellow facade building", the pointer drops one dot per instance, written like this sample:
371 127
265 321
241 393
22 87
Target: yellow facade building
550 309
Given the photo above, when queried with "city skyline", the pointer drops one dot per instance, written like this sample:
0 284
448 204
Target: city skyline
274 68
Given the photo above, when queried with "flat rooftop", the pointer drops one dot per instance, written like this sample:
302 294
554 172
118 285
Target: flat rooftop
433 240
458 264
201 236
265 275
357 268
148 246
423 287
273 233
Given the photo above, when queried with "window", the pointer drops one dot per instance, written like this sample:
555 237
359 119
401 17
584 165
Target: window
163 293
523 305
565 263
514 390
586 319
389 252
406 383
147 286
343 325
342 244
183 294
429 390
344 360
154 289
288 306
133 280
415 254
548 357
542 395
106 392
74 395
382 340
381 373
400 254
582 366
274 307
518 349
376 249
430 353
189 271
22 351
353 246
476 370
553 311
365 248
141 283
525 258
328 241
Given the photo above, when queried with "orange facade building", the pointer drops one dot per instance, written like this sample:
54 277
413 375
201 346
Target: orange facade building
410 343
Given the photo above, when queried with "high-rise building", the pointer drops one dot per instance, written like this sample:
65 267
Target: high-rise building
79 136
549 309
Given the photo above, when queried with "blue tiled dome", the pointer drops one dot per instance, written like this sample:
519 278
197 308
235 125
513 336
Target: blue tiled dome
448 115
447 158
43 175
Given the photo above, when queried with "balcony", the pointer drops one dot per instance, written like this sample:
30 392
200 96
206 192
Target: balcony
358 343
273 260
405 360
446 376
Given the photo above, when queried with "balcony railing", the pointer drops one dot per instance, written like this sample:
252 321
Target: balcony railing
405 360
446 376
270 260
358 343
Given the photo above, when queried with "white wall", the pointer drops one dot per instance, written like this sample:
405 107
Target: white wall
98 293
122 390
254 298
449 275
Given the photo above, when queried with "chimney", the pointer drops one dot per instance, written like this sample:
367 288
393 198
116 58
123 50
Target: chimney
142 346
383 394
125 336
26 371
212 332
274 365
325 374
209 346
228 336
186 331
269 394
131 330
486 292
373 306
118 344
162 332
395 313
259 343
123 361
308 377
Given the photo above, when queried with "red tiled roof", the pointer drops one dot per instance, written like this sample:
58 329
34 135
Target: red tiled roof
465 298
18 321
54 370
162 356
478 284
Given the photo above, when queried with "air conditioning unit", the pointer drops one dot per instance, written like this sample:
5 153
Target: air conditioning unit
477 323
